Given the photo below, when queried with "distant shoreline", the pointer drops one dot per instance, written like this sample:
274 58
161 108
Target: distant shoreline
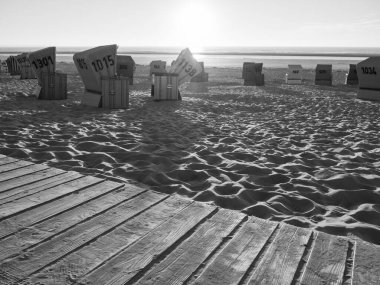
327 54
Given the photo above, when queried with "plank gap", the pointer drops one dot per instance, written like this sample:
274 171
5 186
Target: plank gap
247 276
349 265
160 257
197 272
304 259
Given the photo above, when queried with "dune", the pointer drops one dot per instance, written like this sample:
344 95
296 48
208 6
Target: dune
303 154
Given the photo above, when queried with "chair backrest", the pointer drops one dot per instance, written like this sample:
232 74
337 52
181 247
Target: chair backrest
94 63
157 66
369 73
125 65
13 67
250 69
43 61
294 71
23 60
323 72
186 66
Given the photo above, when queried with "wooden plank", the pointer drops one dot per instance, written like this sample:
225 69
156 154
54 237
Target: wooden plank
366 264
53 249
280 263
54 225
178 266
42 180
14 165
233 262
137 256
29 178
43 212
94 254
27 169
25 203
327 260
6 160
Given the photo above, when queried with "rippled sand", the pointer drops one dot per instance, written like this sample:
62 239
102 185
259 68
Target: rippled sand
307 155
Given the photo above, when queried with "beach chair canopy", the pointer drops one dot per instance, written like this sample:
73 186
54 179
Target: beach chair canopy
23 60
323 72
94 63
185 66
250 69
369 73
43 61
157 66
294 71
125 65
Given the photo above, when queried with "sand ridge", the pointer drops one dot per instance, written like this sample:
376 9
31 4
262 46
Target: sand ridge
307 155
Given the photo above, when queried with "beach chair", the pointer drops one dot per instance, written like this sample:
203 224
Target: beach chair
26 70
369 79
323 74
156 66
165 86
125 67
352 76
252 74
103 88
52 84
13 67
294 74
199 83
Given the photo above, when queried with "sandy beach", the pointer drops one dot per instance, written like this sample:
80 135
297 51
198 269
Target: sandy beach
303 154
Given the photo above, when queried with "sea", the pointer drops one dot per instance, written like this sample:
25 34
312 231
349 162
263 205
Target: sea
229 57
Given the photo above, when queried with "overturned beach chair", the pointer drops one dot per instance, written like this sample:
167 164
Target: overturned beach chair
199 83
103 88
352 76
125 67
369 79
294 74
252 74
323 74
26 70
52 85
12 66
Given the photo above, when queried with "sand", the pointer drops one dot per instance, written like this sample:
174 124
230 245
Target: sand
306 155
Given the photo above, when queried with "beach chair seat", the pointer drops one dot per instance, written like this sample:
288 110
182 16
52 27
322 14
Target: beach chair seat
115 93
12 66
369 79
166 86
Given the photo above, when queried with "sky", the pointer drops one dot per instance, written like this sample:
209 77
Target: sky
192 23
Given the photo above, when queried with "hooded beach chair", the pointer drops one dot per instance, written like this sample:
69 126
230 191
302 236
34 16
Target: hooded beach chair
294 74
369 79
323 74
252 74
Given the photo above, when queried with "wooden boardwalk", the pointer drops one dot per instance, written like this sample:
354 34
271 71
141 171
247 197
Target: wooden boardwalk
59 227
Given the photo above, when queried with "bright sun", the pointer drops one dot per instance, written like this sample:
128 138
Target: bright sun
195 24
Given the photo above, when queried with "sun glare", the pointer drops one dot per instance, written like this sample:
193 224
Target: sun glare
195 22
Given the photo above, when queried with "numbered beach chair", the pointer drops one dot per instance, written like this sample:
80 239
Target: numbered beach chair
26 70
323 74
156 66
352 76
52 85
369 79
13 67
199 83
294 74
3 67
252 74
103 88
183 69
125 66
